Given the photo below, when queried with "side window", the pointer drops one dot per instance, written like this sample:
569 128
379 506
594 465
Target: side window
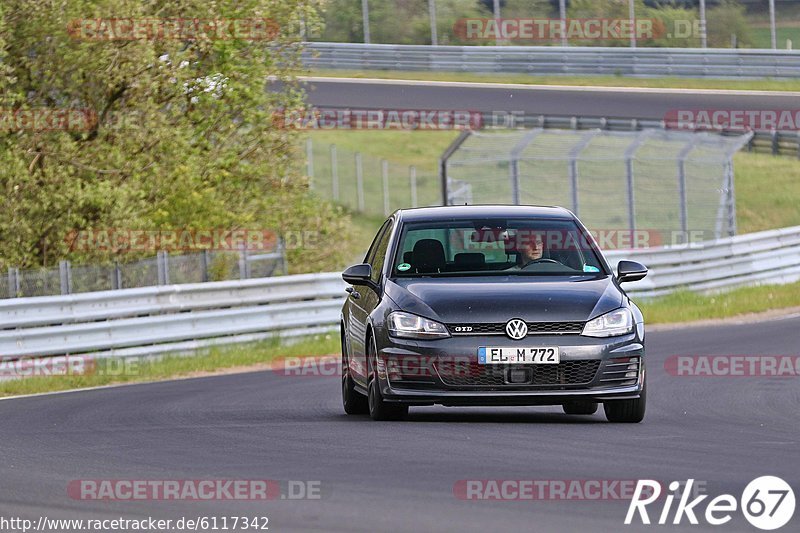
379 257
374 246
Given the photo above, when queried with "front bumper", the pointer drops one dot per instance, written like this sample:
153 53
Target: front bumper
445 371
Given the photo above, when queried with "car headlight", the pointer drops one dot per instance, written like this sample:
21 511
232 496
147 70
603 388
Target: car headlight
415 327
619 322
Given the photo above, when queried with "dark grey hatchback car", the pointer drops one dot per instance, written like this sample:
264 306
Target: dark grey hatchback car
490 305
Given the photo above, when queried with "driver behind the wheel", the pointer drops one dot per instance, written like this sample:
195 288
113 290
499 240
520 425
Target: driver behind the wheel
530 249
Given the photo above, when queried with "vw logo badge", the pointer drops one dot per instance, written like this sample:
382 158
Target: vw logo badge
516 329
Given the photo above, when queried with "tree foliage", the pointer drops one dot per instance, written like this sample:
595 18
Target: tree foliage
183 135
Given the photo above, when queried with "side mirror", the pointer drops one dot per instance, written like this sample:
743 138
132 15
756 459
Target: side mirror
630 271
358 274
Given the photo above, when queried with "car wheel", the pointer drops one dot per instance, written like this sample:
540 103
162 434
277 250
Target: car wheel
627 411
580 408
354 402
378 408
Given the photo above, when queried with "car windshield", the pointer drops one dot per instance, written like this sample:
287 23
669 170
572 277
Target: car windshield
496 247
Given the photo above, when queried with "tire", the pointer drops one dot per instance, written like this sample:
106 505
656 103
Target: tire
354 402
378 408
627 411
580 408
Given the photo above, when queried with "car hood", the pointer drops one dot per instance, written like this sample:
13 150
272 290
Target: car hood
489 299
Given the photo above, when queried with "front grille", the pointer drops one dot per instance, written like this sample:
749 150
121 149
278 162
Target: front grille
534 328
473 374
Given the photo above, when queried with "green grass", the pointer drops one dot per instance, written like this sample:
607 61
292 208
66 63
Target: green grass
405 148
581 81
762 37
767 192
687 306
117 371
402 149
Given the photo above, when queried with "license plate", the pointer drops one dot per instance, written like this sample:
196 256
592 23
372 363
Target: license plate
529 356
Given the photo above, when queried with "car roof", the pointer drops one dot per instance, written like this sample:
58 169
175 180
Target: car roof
451 212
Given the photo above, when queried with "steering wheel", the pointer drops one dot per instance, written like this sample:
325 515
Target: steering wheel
542 260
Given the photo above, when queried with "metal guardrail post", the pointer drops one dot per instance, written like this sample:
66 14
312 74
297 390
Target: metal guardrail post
798 143
432 18
310 162
412 177
573 167
365 19
204 262
516 196
443 161
360 182
13 282
244 266
65 277
630 152
385 176
116 277
682 193
162 265
284 259
731 199
334 173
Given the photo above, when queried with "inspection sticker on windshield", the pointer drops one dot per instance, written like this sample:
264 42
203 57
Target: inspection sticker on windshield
505 356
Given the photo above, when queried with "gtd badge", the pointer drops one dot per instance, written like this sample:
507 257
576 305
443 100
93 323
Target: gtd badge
516 329
463 329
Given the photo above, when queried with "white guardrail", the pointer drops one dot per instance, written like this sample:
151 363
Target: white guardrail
621 61
147 322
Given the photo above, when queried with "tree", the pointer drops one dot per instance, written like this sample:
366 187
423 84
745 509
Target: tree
726 19
178 130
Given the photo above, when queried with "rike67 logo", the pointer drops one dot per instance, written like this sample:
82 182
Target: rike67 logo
767 502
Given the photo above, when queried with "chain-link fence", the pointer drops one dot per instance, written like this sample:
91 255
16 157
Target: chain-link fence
658 180
367 184
164 269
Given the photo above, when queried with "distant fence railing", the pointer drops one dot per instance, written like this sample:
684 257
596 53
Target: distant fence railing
152 321
368 184
163 269
771 257
615 61
775 142
155 320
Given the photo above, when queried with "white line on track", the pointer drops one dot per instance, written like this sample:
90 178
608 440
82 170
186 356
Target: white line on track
275 364
527 87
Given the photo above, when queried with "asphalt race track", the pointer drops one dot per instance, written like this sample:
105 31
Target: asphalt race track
576 101
400 476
